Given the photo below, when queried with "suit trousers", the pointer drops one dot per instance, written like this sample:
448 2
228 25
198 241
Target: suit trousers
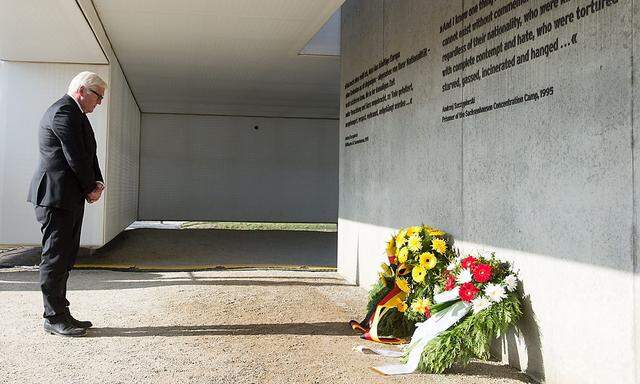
60 244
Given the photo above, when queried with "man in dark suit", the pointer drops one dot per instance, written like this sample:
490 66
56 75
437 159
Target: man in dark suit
67 175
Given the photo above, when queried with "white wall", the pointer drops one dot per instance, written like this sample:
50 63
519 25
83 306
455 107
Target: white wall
33 87
222 168
123 142
123 162
547 184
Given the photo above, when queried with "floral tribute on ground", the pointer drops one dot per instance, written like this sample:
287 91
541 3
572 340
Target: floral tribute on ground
448 307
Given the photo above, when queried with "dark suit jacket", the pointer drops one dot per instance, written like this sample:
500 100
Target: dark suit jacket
68 167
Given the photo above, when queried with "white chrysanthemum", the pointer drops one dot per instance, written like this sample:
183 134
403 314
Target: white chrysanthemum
464 276
480 303
452 265
511 282
495 292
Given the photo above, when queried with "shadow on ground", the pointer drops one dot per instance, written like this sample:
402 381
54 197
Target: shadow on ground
322 328
28 281
193 248
490 370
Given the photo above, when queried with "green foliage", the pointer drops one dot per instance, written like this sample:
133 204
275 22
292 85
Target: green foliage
395 324
471 337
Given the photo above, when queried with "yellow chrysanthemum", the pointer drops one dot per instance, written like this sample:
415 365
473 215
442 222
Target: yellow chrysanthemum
386 271
397 301
418 273
403 255
415 243
413 230
402 284
419 305
391 246
428 260
439 246
435 232
401 239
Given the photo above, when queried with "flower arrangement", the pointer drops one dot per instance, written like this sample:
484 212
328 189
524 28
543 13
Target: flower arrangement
418 257
458 303
489 287
425 252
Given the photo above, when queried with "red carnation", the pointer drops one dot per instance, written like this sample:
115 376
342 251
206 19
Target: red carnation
451 282
427 312
468 291
468 262
482 273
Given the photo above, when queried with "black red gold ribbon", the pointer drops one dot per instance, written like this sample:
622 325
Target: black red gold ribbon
368 327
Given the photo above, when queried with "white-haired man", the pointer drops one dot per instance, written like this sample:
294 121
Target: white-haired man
67 175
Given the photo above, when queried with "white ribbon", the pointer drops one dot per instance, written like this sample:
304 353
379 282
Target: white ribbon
381 352
445 296
425 332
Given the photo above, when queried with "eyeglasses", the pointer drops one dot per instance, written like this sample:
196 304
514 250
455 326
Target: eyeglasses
100 97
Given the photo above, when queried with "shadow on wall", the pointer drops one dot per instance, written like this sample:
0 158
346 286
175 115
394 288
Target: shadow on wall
526 329
570 242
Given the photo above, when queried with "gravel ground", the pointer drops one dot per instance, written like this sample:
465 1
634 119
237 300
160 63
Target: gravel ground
246 326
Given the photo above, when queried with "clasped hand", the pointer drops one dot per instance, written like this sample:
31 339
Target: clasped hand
94 195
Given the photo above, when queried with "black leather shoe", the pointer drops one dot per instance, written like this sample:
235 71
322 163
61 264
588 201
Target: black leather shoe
63 328
78 323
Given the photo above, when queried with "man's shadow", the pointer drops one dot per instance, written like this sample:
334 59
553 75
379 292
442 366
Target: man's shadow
321 328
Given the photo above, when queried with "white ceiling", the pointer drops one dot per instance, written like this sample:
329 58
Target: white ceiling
47 31
224 56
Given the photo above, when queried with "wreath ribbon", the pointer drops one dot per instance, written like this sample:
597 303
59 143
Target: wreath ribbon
368 327
425 332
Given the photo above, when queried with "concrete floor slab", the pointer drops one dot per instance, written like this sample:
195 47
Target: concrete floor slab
197 249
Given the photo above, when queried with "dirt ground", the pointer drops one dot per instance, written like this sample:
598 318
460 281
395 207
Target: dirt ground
242 326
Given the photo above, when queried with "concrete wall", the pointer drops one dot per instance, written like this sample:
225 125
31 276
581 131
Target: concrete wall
123 141
123 163
636 196
546 181
222 168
